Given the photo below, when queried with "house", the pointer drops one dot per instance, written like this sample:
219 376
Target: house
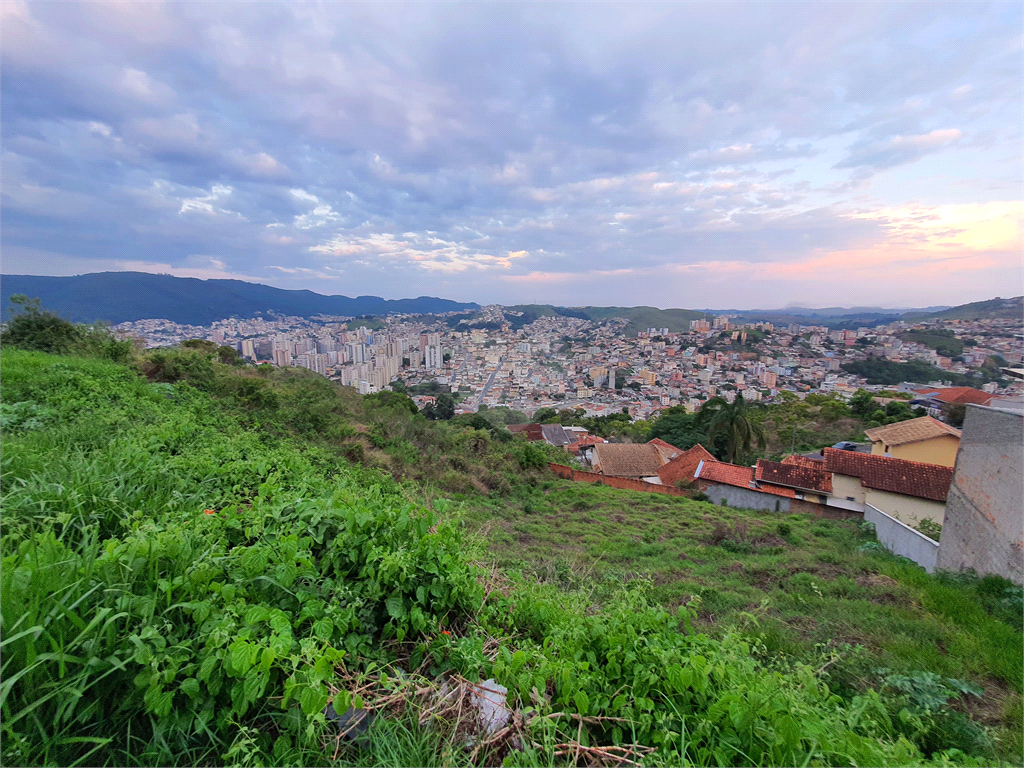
924 439
910 491
840 485
735 486
552 434
933 398
683 466
633 460
532 432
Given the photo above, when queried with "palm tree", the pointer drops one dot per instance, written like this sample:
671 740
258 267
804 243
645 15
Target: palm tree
733 420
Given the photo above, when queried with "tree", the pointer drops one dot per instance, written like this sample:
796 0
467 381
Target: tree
834 409
733 420
954 414
898 410
545 415
443 408
679 428
39 329
862 403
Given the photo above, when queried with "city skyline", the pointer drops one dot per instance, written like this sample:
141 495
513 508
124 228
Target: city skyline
726 155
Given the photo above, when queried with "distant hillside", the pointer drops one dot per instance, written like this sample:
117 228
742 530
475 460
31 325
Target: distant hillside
117 297
640 318
853 317
993 308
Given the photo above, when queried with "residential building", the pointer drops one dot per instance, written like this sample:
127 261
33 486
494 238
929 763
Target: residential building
924 439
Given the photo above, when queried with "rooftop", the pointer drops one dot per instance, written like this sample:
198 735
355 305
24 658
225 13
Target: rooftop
911 431
683 466
883 473
794 475
627 459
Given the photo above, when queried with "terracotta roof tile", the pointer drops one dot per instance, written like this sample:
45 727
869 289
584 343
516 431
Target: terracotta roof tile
956 395
667 450
794 476
804 461
883 473
911 431
627 459
684 465
741 477
728 474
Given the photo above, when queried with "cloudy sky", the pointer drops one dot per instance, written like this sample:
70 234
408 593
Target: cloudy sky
687 155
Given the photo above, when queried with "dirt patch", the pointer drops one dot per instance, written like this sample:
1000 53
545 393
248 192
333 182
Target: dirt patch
768 541
883 591
619 518
524 538
732 568
878 581
988 709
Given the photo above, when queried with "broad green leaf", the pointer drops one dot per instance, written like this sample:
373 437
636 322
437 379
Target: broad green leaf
396 607
313 699
190 687
582 702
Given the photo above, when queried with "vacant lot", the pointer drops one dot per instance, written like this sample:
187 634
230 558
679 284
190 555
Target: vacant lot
794 580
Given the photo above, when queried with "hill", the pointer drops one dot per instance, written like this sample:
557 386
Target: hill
117 297
997 308
199 556
640 318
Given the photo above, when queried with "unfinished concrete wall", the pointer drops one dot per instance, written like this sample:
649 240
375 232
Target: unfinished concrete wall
743 498
901 539
984 521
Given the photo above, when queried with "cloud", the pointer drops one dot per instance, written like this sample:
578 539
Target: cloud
638 154
897 150
205 203
426 252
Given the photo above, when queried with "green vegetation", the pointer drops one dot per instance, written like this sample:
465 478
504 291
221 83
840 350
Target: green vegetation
795 588
879 371
199 555
942 341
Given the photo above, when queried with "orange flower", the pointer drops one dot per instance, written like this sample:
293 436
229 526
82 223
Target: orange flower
210 512
445 632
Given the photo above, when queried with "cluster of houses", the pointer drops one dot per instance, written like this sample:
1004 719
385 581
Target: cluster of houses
904 481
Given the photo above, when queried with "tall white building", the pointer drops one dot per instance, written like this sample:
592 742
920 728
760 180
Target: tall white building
433 355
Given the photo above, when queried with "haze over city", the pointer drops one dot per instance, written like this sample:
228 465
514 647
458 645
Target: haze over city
726 155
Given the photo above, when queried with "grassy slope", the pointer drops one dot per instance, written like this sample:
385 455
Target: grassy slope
817 584
137 463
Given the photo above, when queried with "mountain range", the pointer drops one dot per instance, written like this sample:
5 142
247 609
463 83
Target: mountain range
118 297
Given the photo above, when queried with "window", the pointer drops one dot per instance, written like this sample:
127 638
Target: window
850 498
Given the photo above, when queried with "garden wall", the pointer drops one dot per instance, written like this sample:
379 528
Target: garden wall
622 483
900 539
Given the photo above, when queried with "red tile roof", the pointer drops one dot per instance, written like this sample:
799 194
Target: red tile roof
805 461
956 395
684 465
667 450
794 476
532 432
883 473
741 477
729 474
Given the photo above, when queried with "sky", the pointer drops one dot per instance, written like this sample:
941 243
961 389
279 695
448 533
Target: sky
740 155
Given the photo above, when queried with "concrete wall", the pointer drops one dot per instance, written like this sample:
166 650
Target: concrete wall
742 497
844 486
908 509
901 539
984 520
